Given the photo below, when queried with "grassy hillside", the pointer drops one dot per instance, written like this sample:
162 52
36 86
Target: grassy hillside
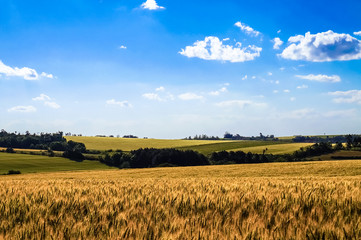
34 163
202 146
128 144
310 200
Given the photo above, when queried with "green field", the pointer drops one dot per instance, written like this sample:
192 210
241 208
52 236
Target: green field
202 146
275 149
27 163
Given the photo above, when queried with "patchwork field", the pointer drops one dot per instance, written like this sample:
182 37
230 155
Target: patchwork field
311 200
27 163
202 146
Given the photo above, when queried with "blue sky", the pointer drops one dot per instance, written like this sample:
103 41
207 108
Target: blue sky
171 69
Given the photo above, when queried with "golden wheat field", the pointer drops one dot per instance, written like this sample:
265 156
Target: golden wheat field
265 201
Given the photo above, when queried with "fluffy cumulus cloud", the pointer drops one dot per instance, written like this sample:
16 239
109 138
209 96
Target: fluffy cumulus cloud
24 109
47 101
189 96
277 42
321 78
213 49
247 29
151 5
351 96
323 47
25 72
239 104
119 103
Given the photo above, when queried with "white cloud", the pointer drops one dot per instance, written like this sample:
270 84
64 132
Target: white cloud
190 96
275 91
323 47
245 77
253 77
43 74
42 97
52 104
320 78
302 86
341 113
357 33
247 29
292 99
351 96
279 31
25 72
225 39
282 68
152 96
214 49
239 103
286 91
218 92
270 74
121 104
24 109
151 5
300 113
160 89
122 47
277 42
47 101
277 82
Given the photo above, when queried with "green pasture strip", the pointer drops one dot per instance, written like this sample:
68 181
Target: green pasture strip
226 146
36 163
274 149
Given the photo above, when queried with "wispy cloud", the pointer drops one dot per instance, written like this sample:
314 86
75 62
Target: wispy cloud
323 47
247 29
47 101
218 92
122 47
152 96
240 103
357 33
151 5
351 96
320 78
190 96
52 105
160 89
24 109
42 97
213 49
119 103
303 86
